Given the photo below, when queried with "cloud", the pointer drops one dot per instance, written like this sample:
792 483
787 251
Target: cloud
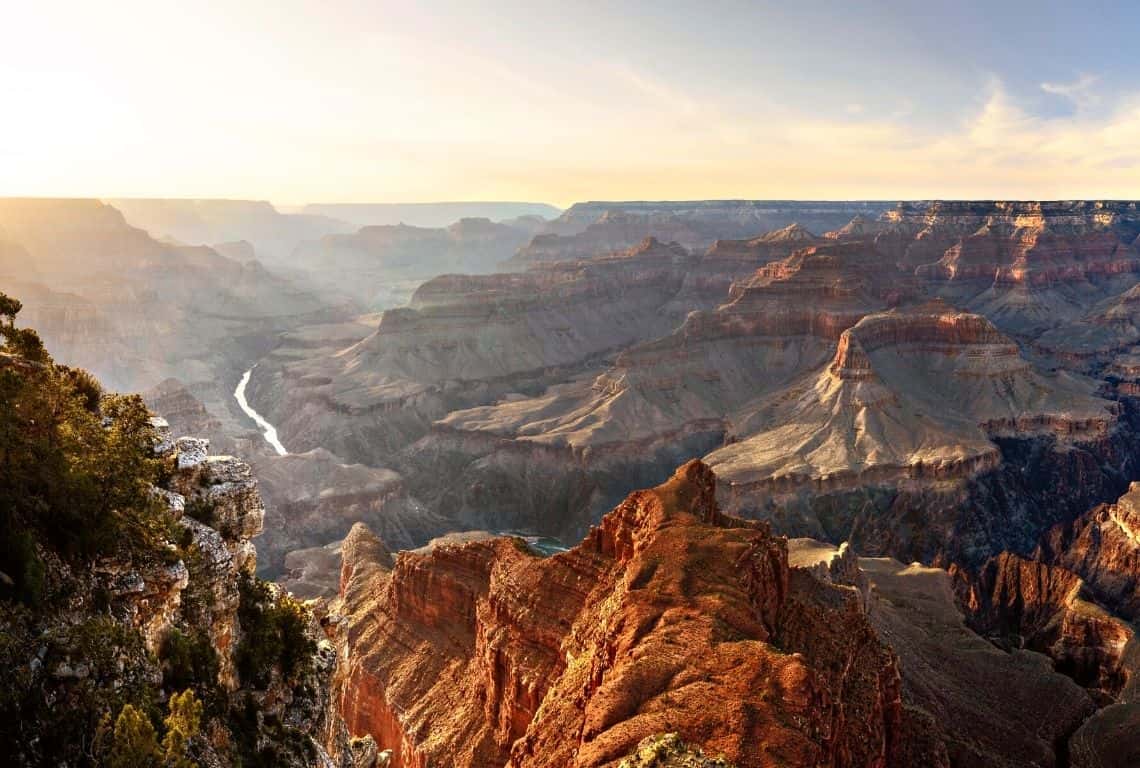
1080 92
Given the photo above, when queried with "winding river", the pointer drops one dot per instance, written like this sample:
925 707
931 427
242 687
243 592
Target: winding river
268 431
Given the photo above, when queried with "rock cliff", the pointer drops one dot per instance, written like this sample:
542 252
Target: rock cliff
924 398
467 340
660 403
1102 546
186 612
587 229
669 617
1029 604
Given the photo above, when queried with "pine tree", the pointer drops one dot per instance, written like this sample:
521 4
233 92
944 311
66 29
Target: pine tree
135 744
182 724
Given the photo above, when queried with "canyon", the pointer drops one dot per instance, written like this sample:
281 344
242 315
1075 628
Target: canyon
888 451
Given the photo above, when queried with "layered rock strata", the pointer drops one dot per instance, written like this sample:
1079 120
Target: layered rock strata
1103 548
1028 266
586 229
467 340
1024 603
669 617
917 405
661 402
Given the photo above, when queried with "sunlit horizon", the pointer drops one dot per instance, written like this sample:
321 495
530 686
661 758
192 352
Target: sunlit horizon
355 102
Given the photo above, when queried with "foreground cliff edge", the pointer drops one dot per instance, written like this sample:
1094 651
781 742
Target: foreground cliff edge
132 629
668 617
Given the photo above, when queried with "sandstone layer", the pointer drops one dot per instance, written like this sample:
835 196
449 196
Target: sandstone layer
467 340
669 617
660 403
587 229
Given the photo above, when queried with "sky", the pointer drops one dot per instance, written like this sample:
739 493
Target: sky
357 101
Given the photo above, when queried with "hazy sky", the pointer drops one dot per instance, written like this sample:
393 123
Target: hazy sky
407 101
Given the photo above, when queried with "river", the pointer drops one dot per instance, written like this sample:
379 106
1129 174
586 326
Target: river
268 431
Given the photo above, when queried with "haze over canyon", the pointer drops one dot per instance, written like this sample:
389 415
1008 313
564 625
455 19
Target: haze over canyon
723 482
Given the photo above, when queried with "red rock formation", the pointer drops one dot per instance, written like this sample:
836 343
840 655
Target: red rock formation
1103 548
727 261
1041 607
668 617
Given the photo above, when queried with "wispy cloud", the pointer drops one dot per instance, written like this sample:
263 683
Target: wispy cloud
1081 92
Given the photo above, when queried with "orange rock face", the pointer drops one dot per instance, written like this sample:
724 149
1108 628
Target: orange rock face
668 617
1103 547
1042 607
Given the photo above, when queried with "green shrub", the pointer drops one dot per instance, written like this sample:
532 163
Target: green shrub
274 634
76 465
20 562
203 510
187 661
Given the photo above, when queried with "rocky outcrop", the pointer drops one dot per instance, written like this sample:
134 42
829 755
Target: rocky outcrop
668 617
1102 547
140 625
1028 604
727 261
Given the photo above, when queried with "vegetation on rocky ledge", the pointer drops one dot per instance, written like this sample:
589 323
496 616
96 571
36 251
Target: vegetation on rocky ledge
669 751
119 607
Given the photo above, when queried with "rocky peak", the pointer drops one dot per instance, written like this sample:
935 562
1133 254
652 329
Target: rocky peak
793 233
669 617
362 551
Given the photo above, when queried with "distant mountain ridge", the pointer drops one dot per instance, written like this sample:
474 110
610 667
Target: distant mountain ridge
428 214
